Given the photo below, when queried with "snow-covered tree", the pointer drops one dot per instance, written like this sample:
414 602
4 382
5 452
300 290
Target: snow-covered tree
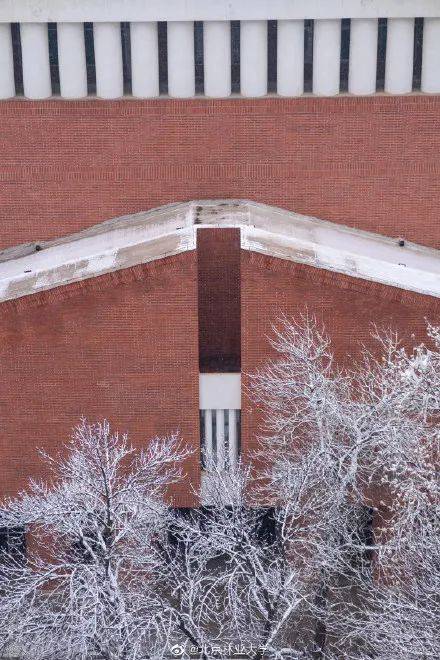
84 588
402 610
324 545
338 446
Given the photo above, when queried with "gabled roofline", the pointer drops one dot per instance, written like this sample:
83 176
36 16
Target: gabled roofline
168 230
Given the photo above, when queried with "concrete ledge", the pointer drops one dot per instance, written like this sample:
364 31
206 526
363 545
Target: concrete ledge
130 240
35 11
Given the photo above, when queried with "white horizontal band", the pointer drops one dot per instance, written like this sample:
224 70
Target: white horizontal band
34 11
129 240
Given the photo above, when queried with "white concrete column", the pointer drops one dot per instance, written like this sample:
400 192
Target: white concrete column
253 58
233 440
72 60
144 59
108 60
326 57
217 58
363 56
290 58
7 84
431 56
181 66
220 437
399 55
208 437
35 55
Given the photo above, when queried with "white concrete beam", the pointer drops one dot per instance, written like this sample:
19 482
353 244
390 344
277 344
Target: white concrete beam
326 57
431 56
290 58
217 58
399 56
363 56
130 240
181 68
72 60
7 84
253 58
16 11
144 59
35 56
108 60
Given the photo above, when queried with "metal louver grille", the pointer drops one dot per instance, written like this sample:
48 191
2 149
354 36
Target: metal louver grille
220 438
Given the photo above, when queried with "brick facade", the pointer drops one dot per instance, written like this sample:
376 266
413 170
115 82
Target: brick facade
126 345
122 346
370 163
347 307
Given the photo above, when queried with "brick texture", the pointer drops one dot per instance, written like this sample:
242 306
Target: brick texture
371 163
122 346
347 307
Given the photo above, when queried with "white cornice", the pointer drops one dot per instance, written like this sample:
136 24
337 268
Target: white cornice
130 240
34 11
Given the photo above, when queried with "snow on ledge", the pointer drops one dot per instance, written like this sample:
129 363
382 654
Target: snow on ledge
130 240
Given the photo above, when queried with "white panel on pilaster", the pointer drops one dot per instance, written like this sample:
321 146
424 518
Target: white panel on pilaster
72 60
431 56
181 68
290 58
326 57
217 58
219 391
108 60
144 60
35 56
399 55
253 58
7 84
363 56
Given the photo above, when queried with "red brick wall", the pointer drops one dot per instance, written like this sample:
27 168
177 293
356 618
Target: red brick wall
371 163
121 346
347 307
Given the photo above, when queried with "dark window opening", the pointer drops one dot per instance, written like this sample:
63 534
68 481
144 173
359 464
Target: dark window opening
12 544
381 54
308 56
85 549
272 47
203 439
345 54
18 60
53 58
418 54
198 57
235 57
262 524
226 436
90 58
176 535
214 436
238 418
363 539
126 57
267 528
162 36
